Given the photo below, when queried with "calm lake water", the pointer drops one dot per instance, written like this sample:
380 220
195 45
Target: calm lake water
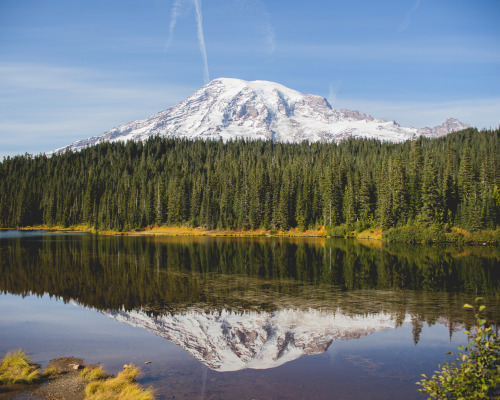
225 318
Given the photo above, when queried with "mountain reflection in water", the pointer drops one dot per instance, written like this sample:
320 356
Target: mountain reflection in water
229 341
254 303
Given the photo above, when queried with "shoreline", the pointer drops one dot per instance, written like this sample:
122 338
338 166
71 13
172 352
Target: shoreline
455 236
70 378
180 231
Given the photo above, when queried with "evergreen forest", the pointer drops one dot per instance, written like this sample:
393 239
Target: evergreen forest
357 184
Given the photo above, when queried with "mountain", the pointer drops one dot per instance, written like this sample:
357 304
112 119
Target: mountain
230 341
450 125
232 108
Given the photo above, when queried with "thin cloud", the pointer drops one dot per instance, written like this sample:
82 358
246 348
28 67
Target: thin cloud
174 14
176 11
201 39
256 11
406 21
47 107
268 31
332 94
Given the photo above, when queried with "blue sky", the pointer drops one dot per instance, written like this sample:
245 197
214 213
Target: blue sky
74 69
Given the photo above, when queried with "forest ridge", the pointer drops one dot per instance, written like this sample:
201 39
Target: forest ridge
357 183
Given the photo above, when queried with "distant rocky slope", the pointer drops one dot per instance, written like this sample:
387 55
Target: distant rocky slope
233 108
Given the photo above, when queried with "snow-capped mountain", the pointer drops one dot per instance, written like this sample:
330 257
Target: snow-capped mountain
230 341
232 108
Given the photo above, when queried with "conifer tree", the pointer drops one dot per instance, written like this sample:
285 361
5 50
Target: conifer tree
431 200
415 176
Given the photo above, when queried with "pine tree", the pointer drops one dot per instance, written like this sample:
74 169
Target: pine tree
385 202
350 204
400 204
415 176
431 200
283 212
449 193
365 197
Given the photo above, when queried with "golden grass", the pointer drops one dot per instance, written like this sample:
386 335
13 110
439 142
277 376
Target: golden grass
91 373
171 230
17 367
295 232
123 387
51 371
375 234
184 231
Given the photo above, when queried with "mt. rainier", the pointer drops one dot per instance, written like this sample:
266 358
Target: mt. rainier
232 108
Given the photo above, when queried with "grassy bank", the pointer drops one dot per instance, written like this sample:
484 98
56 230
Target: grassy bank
183 231
421 233
413 233
436 234
66 379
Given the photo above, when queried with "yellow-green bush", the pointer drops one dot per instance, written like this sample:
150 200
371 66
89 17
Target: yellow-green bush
475 372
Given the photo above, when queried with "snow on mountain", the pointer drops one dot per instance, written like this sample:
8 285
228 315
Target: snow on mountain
233 108
229 341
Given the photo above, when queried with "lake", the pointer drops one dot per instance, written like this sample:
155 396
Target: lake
247 318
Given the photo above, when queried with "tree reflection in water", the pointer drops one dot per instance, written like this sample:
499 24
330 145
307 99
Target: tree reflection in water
171 274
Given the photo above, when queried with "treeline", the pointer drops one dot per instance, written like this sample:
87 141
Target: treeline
357 183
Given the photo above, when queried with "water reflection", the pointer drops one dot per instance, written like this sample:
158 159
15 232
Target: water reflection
230 341
254 303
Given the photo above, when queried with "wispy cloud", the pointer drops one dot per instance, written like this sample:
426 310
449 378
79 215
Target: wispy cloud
332 94
45 106
268 30
262 22
407 19
201 39
175 12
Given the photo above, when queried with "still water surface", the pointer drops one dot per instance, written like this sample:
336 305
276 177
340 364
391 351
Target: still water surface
224 318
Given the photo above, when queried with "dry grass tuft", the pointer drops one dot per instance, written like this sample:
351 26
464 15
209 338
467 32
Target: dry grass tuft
374 234
51 371
123 387
91 373
17 367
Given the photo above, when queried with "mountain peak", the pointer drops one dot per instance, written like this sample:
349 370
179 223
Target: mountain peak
450 125
230 108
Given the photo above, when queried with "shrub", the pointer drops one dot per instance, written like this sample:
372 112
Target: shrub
415 233
17 367
475 372
343 230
